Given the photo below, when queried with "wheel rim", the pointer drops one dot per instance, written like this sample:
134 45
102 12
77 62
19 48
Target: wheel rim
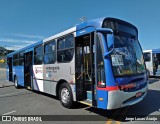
65 95
16 82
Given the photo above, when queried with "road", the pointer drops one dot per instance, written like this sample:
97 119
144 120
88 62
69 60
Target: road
25 102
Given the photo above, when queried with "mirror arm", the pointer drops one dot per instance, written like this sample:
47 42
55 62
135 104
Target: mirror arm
104 30
107 53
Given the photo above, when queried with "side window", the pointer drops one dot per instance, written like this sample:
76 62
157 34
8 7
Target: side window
21 59
38 53
147 57
16 60
65 49
50 53
8 61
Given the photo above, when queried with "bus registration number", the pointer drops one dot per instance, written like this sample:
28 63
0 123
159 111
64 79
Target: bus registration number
138 94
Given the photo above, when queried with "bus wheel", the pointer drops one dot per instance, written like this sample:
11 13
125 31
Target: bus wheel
16 82
65 95
148 73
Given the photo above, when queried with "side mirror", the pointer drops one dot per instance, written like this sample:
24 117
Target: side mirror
104 30
110 41
108 38
107 53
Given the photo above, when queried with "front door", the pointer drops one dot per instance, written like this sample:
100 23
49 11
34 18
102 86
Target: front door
84 68
28 65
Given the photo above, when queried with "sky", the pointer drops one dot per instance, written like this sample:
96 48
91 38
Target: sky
23 22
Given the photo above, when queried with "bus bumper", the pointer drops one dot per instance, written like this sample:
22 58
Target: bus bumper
118 98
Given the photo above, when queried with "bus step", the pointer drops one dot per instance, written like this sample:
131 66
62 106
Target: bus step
89 95
158 72
87 102
28 87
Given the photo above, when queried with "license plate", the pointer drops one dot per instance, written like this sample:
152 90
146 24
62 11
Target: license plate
138 94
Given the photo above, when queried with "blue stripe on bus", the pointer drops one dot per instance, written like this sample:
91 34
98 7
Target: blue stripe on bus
96 23
84 31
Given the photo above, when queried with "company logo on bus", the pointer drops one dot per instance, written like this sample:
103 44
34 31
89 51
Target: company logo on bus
38 71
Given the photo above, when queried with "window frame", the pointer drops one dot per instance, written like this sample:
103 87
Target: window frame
51 52
149 56
42 52
16 59
65 49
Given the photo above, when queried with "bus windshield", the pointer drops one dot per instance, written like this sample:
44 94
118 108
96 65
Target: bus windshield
127 56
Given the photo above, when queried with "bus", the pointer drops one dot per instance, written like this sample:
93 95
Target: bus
152 60
98 63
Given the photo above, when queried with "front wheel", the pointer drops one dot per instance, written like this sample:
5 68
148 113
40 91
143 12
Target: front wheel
65 95
148 73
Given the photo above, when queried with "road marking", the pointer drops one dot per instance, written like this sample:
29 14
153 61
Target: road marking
12 93
109 121
123 113
9 112
85 103
118 122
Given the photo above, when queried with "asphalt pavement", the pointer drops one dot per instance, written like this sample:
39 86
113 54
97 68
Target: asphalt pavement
3 81
23 103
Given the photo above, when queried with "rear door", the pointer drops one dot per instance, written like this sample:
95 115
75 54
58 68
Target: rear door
10 69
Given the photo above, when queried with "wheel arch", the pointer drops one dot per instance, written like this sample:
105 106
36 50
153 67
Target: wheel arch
14 76
59 83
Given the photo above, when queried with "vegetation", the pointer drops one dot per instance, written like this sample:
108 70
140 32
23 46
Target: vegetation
3 53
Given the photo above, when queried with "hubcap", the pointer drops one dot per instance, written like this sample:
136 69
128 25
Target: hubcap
65 95
16 82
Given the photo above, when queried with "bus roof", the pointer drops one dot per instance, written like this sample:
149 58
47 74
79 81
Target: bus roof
25 48
153 50
93 23
96 23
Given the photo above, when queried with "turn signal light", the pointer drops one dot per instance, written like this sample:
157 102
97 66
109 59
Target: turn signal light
127 86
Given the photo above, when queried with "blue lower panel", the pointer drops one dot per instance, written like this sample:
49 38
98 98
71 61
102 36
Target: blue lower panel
19 73
102 99
21 81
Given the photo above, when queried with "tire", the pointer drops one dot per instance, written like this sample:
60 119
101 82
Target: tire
148 73
16 83
65 95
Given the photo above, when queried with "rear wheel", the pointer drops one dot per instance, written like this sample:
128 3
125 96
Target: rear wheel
65 95
16 82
